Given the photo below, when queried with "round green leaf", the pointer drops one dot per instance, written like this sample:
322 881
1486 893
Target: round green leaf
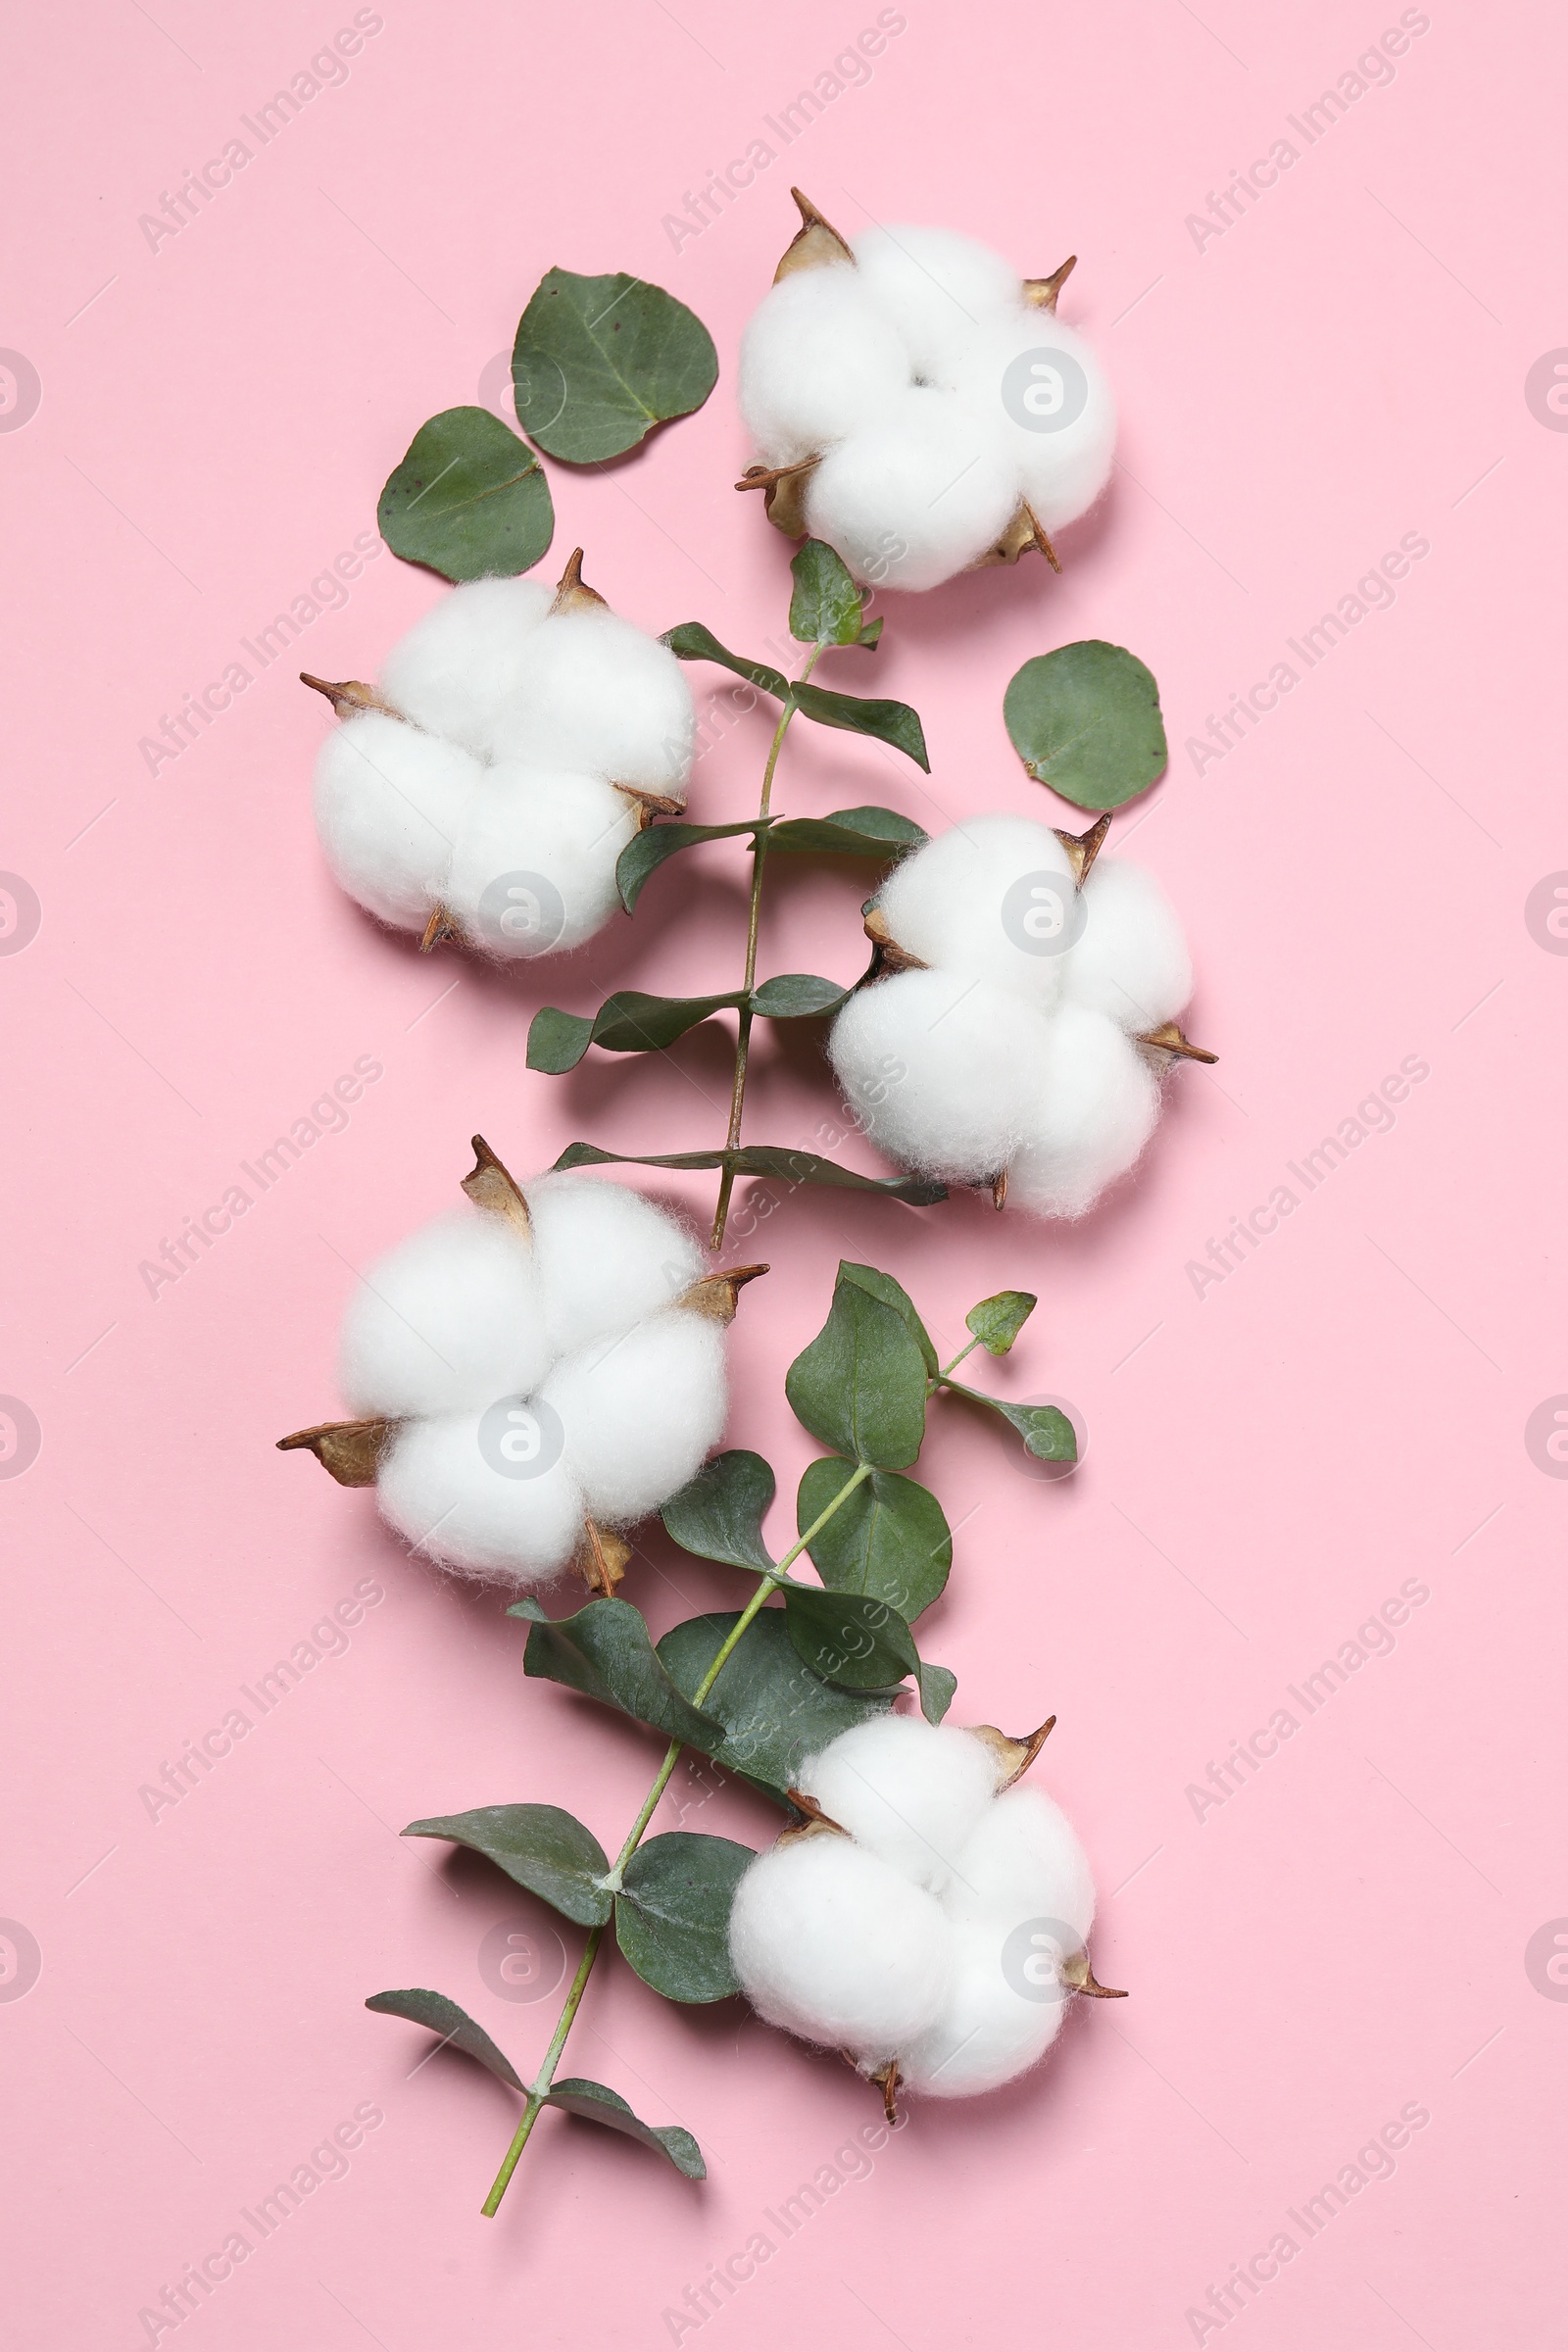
599 362
775 1711
672 1913
718 1514
470 498
1085 721
849 1638
860 1385
889 1541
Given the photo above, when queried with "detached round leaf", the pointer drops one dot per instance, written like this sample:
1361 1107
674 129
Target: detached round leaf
1085 721
469 500
600 361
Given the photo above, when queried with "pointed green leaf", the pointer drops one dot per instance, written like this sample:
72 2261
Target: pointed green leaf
798 996
776 1712
545 1849
470 498
870 832
718 1514
648 850
1047 1432
890 1540
690 641
891 1293
937 1686
605 1652
454 2024
575 2095
672 1913
1085 721
847 1637
599 362
891 722
826 607
764 1159
558 1041
860 1385
997 1322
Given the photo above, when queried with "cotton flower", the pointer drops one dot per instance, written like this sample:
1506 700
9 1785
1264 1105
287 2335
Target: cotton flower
531 1374
928 1916
917 405
484 788
1024 1016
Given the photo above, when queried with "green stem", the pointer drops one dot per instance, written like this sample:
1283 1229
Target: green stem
743 1033
765 1586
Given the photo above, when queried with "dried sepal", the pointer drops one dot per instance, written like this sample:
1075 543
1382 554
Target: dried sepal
716 1296
573 592
1023 532
1077 1973
1013 1757
888 2080
646 806
348 696
783 489
1040 293
351 1451
1169 1039
815 244
890 956
998 1188
489 1185
1084 847
443 925
812 1822
601 1559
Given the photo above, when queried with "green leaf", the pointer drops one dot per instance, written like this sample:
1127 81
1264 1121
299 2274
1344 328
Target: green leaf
996 1321
826 607
891 1293
628 1022
850 1638
672 1913
423 2008
599 362
798 996
690 641
558 1041
776 1712
764 1159
648 850
860 1385
937 1686
470 498
718 1514
847 833
605 1652
889 1541
546 1850
596 2104
1085 721
889 722
1047 1432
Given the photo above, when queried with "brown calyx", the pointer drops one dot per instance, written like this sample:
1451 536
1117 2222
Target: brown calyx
1013 1757
1077 1973
716 1296
1168 1038
783 489
998 1188
489 1185
573 592
814 1822
350 695
1041 293
1084 847
601 1559
815 244
889 956
350 1450
443 925
1025 531
646 806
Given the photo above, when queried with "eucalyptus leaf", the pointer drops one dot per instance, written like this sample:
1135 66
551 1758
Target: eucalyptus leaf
454 2024
776 1712
545 1849
890 1540
647 850
891 1293
850 1638
798 996
891 722
1047 1432
870 832
996 1321
718 1514
599 362
764 1159
826 608
558 1041
575 2095
470 498
690 641
1085 721
937 1686
605 1652
860 1385
628 1022
672 1913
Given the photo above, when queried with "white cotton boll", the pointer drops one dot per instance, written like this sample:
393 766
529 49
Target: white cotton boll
942 1070
1023 1863
909 1791
1039 387
641 1413
994 899
1131 960
457 666
1096 1102
936 288
451 1317
389 805
533 871
816 360
915 495
450 1487
607 1258
829 1942
990 2031
591 692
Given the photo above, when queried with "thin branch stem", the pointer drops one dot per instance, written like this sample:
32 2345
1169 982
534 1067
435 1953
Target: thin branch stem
743 1032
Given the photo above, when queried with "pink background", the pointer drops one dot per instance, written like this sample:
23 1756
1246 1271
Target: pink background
1345 1934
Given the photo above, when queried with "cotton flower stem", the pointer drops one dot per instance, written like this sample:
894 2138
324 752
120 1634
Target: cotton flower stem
743 1032
539 2088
